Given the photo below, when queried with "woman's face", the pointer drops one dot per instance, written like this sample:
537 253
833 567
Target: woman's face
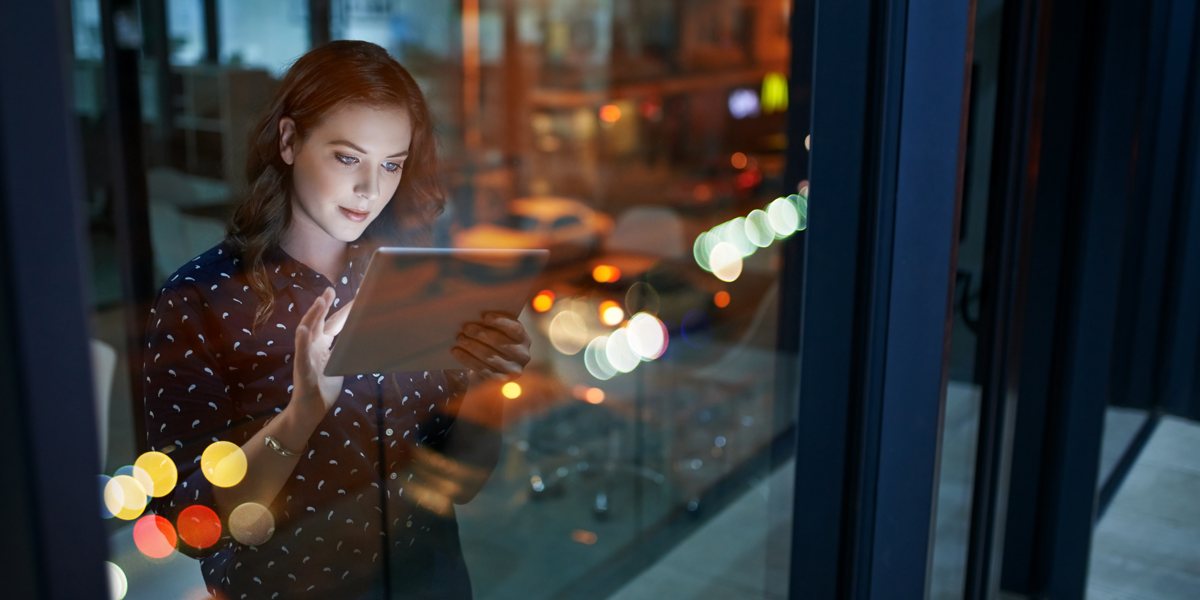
346 170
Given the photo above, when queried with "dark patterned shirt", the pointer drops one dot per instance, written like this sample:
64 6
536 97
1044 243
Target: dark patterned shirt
350 509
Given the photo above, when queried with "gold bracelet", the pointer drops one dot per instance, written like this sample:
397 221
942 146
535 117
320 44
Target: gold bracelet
274 444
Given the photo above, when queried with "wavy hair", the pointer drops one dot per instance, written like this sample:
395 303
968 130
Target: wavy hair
327 78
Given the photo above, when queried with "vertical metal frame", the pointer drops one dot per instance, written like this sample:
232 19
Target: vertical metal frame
44 315
890 81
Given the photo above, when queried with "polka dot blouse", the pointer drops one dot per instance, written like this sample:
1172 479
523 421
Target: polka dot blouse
351 521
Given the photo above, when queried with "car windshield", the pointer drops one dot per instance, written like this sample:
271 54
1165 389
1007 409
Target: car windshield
521 222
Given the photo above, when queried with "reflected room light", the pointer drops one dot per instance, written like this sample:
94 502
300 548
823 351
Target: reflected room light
721 299
125 497
154 536
223 464
584 537
251 524
511 390
808 142
594 395
199 526
160 470
619 353
647 336
543 301
118 584
738 160
606 274
726 262
568 332
611 313
595 359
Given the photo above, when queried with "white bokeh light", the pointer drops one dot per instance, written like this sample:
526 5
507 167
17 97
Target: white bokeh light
726 262
618 352
647 336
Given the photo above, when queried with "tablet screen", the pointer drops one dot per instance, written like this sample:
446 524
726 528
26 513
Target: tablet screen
414 301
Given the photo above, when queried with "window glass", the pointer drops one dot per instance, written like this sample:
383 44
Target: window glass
633 455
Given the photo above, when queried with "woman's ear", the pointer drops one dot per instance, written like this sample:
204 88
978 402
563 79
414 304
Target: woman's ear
287 139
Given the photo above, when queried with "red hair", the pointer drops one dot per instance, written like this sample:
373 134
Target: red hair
328 77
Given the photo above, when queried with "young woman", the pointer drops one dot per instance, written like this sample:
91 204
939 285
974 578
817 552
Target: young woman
350 482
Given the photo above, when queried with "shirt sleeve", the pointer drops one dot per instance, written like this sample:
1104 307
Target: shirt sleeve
186 402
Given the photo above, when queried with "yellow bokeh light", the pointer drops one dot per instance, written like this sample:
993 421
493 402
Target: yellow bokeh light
721 299
223 464
738 160
568 332
125 497
511 390
160 470
543 301
611 313
606 274
610 113
594 395
251 524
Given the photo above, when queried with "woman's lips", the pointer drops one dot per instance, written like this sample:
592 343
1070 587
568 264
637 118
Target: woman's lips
354 215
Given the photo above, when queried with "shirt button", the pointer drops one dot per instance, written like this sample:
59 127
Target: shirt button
388 431
393 475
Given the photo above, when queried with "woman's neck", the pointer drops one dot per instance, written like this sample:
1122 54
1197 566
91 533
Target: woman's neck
308 243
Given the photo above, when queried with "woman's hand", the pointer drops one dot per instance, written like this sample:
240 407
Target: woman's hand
496 347
313 391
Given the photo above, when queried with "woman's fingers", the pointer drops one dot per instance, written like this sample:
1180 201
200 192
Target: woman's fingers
487 356
335 323
498 343
507 325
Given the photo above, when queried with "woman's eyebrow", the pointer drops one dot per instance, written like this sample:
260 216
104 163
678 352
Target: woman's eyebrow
348 144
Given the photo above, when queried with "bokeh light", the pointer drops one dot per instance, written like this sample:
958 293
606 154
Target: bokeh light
611 313
782 216
125 497
801 201
251 524
726 262
223 464
568 332
618 352
738 160
584 537
595 359
594 395
642 297
105 513
154 536
758 228
721 299
543 301
511 390
734 233
610 113
702 248
199 526
647 336
140 475
161 471
118 584
606 274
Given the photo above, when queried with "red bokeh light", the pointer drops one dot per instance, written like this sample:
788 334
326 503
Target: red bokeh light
199 526
154 536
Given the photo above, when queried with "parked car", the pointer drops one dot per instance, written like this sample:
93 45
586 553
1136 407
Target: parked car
569 229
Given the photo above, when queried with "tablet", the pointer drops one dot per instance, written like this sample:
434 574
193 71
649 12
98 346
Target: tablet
413 302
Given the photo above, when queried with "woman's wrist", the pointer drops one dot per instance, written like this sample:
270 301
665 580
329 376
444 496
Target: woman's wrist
296 423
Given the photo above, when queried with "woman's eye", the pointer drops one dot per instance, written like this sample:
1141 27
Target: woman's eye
346 160
392 167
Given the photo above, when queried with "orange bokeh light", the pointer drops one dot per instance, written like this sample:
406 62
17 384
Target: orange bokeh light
594 395
543 301
199 526
721 299
610 113
738 160
584 536
606 274
154 536
611 313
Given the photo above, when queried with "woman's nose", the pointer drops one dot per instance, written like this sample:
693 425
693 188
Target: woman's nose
367 186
